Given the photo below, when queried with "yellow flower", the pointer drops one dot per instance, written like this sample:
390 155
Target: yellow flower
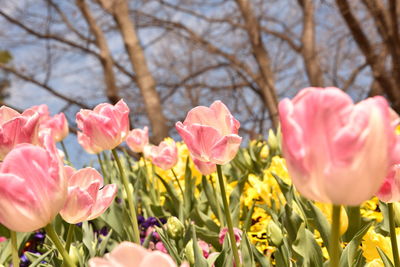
398 130
375 263
264 153
370 209
327 211
372 240
278 166
258 230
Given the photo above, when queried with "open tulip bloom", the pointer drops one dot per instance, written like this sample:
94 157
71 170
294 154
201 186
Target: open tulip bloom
336 151
86 201
211 134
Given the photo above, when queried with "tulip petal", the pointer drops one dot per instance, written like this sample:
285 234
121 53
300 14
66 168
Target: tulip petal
157 258
104 199
206 168
20 209
128 254
85 177
200 140
78 205
225 149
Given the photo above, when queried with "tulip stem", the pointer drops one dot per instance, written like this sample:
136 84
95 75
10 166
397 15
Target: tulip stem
179 184
393 237
70 236
228 217
57 242
15 257
335 237
131 204
103 171
65 151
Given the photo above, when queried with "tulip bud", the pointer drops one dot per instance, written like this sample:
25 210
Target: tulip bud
189 252
272 140
274 233
76 253
174 227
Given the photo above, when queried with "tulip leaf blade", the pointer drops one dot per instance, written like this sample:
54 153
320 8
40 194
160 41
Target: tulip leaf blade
386 260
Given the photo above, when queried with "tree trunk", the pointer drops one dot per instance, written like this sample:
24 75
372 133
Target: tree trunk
105 55
146 83
261 55
308 49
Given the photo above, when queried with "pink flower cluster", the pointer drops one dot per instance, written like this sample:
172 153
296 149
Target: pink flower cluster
34 184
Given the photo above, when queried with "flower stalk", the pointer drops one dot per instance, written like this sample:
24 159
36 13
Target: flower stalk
228 217
131 204
393 238
15 257
57 242
335 237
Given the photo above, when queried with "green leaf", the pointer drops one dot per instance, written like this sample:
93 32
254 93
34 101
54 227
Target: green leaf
247 253
351 252
286 189
36 260
200 261
386 261
319 222
261 259
5 56
306 248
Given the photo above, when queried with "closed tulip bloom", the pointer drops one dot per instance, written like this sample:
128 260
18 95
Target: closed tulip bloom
43 111
336 151
128 254
86 201
103 128
33 186
16 128
164 156
205 168
58 126
137 139
211 134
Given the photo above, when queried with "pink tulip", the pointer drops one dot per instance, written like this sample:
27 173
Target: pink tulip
160 247
205 168
165 155
86 201
137 139
390 189
103 128
128 254
16 128
43 111
205 248
238 235
211 134
33 186
336 151
57 125
2 239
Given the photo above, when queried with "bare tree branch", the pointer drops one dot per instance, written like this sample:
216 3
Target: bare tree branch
105 54
42 85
